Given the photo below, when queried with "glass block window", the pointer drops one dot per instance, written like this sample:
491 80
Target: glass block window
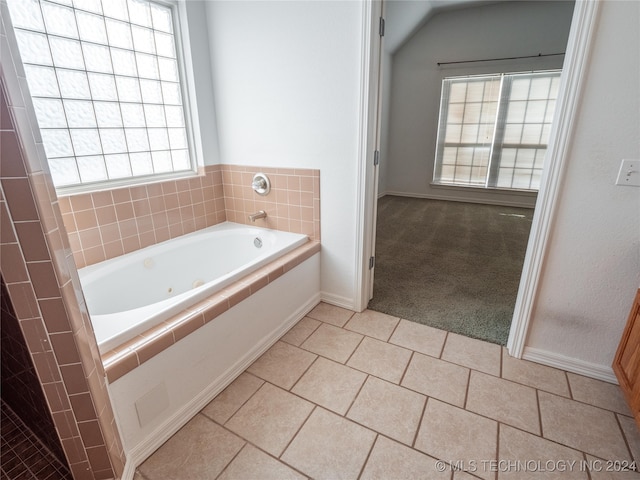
494 129
105 84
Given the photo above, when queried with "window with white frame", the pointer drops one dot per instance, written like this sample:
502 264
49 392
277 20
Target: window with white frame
494 129
105 81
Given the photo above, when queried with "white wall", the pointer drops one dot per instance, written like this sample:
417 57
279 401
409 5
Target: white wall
592 268
201 84
287 81
506 29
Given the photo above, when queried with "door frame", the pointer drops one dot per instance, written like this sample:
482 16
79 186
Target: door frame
581 33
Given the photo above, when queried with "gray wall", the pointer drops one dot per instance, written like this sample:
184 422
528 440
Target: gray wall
506 29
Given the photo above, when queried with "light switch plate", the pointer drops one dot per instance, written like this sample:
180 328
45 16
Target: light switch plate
629 173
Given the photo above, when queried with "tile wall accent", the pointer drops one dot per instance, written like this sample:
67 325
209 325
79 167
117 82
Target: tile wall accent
293 205
38 268
110 223
21 388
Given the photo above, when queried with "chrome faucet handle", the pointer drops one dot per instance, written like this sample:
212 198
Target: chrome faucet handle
261 184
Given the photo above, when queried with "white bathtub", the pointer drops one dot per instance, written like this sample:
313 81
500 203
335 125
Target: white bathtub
130 294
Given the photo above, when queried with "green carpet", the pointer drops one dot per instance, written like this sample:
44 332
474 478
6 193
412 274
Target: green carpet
451 265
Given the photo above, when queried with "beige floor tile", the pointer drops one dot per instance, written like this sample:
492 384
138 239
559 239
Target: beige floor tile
392 460
577 425
459 475
330 384
374 324
232 398
389 409
534 375
329 447
632 434
505 401
380 359
472 353
525 456
597 393
437 378
199 450
457 436
282 364
332 342
270 418
301 331
252 463
420 338
603 470
330 314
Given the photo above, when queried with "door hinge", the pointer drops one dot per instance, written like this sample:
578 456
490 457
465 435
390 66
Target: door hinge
381 28
372 262
376 157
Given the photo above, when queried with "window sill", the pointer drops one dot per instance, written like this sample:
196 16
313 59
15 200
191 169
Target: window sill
125 182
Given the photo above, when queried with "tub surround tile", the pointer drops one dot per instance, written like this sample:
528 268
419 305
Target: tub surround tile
282 365
329 446
150 214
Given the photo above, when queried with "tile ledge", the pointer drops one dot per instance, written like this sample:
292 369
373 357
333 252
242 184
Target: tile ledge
117 362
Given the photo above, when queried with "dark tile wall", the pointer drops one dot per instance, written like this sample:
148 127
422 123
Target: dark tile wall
21 388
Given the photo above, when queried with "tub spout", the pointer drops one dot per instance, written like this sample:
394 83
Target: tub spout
254 216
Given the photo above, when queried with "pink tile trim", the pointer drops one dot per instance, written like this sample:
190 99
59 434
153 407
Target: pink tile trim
106 224
130 355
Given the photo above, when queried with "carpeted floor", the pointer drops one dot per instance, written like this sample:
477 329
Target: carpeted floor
450 265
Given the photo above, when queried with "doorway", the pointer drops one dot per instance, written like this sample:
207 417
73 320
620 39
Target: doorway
581 30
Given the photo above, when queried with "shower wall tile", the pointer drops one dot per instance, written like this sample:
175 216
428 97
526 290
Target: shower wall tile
48 300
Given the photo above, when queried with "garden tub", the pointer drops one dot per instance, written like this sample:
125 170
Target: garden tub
130 294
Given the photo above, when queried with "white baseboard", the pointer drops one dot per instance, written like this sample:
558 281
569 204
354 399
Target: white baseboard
167 429
526 202
573 365
338 300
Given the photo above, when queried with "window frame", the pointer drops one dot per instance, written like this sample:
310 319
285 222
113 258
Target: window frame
496 144
189 107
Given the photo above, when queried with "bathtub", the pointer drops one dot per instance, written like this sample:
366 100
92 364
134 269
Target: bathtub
130 294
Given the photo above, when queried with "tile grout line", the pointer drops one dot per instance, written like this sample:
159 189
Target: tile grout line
497 446
415 436
290 390
406 369
624 436
232 459
366 460
539 414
